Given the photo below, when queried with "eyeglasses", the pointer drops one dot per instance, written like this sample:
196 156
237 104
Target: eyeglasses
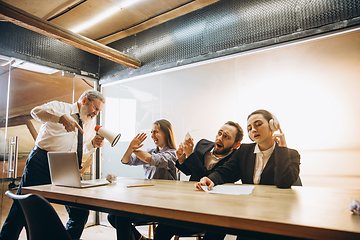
96 108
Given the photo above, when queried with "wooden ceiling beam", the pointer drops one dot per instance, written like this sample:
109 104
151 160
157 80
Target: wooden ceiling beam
29 21
177 12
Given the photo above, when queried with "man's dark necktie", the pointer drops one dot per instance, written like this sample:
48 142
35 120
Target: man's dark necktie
80 143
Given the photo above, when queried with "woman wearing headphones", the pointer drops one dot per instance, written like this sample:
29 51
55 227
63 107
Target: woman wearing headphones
267 161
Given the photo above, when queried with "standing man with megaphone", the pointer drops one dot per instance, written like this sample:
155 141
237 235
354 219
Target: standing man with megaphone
65 127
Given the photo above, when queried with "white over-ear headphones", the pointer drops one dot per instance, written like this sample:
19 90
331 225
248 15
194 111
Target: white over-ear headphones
274 123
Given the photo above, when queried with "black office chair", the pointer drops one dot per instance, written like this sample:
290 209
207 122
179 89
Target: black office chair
151 226
42 221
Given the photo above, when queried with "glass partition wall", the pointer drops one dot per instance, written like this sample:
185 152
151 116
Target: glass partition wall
5 76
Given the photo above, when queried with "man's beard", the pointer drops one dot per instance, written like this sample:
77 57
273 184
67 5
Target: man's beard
224 151
84 114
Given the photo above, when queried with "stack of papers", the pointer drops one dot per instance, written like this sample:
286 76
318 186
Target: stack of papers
230 189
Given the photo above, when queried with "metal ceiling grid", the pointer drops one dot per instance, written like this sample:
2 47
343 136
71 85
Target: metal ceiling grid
226 27
34 47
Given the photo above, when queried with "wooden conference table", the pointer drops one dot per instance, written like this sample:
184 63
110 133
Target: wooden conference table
301 212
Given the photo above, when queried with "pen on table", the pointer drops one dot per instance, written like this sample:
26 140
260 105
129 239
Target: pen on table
140 185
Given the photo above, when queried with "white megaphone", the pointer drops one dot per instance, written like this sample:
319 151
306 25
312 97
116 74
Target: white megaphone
113 138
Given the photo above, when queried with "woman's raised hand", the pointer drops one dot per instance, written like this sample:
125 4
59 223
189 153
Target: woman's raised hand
279 138
137 142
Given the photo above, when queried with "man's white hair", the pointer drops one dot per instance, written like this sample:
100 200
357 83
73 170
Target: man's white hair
92 94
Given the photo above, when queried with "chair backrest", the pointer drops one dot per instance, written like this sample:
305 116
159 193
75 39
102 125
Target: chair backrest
42 221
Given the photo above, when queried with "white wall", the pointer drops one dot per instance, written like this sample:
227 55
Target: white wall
312 87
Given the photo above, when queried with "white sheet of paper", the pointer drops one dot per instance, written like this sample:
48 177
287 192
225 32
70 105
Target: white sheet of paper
187 136
230 189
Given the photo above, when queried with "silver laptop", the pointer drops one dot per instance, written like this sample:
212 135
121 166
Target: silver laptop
64 171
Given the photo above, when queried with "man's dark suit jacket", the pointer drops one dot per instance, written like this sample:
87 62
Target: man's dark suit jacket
281 170
194 164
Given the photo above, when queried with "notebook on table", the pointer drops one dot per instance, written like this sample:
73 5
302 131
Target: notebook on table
64 171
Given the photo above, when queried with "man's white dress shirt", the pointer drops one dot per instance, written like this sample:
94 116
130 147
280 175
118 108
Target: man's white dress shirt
52 135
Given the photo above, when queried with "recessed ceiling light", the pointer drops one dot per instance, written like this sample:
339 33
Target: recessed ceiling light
34 67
